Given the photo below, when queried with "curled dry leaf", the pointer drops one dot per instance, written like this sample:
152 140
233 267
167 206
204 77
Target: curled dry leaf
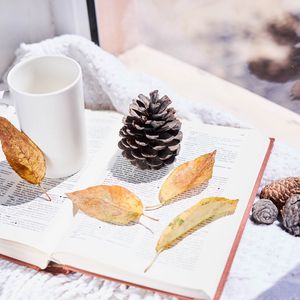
23 155
113 204
202 213
185 177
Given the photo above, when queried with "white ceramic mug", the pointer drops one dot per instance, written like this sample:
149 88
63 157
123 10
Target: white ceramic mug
48 97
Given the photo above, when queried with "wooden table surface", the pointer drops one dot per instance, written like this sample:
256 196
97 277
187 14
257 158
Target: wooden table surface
196 85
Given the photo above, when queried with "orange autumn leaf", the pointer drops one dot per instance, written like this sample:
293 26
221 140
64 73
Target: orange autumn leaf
25 157
112 204
187 176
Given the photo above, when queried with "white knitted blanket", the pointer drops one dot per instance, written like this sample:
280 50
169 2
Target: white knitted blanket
267 263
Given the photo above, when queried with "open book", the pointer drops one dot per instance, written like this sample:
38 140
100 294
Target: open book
36 231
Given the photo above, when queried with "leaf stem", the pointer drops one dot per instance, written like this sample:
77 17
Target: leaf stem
151 218
153 207
45 192
152 262
145 227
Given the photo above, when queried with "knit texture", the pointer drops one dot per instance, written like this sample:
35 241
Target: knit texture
267 264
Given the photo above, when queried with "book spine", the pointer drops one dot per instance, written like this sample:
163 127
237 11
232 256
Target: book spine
19 262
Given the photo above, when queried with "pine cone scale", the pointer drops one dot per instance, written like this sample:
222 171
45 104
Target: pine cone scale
123 144
148 152
174 148
159 147
141 142
160 116
131 143
152 136
154 162
157 124
144 100
136 113
142 103
165 154
165 103
170 160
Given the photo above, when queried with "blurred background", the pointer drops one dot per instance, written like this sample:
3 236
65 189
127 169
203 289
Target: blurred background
252 43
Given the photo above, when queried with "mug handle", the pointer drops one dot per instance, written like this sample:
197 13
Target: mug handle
4 96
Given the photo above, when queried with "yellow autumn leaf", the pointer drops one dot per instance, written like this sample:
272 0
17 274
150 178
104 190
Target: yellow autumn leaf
112 204
202 213
25 157
187 176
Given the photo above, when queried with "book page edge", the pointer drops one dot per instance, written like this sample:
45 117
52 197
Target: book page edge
242 226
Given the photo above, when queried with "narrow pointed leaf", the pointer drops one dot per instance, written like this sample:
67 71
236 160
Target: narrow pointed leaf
202 213
25 157
187 176
113 204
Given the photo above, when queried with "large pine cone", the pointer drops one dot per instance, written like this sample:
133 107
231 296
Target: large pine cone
280 190
291 215
151 133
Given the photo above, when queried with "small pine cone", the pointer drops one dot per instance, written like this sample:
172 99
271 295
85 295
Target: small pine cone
264 211
280 190
151 133
291 215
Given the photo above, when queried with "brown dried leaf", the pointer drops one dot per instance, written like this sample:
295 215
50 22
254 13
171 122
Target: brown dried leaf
113 204
187 176
26 159
202 213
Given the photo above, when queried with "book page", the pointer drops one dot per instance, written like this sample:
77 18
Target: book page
129 249
26 216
